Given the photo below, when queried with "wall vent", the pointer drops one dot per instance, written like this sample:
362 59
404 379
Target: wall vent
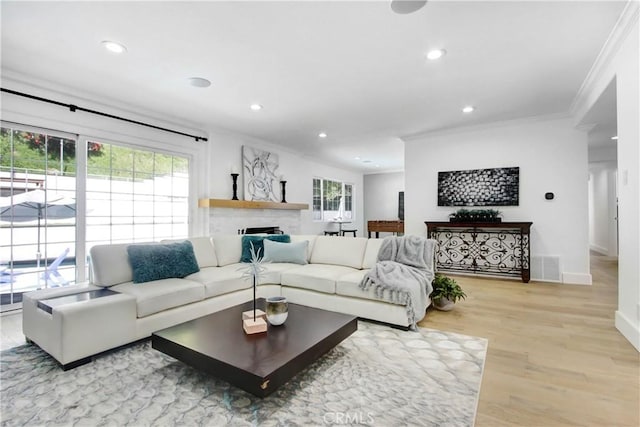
546 268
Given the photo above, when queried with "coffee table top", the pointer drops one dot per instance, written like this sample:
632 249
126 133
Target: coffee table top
217 344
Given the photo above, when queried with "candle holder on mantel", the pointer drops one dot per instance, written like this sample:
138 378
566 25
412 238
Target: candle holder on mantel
283 184
234 176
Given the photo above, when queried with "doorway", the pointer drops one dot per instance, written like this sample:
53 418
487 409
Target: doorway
603 173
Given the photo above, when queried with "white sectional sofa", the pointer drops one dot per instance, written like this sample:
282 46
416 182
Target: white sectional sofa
74 332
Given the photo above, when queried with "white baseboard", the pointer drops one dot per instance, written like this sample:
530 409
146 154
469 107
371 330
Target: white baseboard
628 330
576 278
600 249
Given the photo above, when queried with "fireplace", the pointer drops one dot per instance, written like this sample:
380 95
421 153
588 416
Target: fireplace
257 230
232 220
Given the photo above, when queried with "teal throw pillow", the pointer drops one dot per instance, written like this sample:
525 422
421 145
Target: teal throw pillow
162 261
258 244
295 253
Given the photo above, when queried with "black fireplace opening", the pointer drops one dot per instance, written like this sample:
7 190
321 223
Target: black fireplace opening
258 230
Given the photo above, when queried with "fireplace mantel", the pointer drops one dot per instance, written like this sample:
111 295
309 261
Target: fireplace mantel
246 204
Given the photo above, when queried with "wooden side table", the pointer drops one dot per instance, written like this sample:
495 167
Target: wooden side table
395 227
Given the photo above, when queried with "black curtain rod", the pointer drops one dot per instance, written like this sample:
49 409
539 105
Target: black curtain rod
74 108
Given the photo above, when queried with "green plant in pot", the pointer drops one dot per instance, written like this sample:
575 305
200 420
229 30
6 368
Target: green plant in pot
476 215
446 292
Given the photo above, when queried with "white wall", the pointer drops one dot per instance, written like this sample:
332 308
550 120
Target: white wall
620 60
628 93
381 195
299 171
603 154
552 157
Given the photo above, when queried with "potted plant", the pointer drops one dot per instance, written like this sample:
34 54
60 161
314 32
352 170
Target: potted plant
461 215
493 215
475 215
446 292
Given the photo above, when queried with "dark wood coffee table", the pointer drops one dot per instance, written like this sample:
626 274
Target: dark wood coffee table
258 363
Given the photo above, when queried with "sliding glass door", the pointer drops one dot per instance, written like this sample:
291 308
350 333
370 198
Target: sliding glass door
37 211
135 195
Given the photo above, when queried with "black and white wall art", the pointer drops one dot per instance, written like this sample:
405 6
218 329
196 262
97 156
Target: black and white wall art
260 174
479 187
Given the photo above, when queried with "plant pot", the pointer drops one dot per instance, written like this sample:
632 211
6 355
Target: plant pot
443 304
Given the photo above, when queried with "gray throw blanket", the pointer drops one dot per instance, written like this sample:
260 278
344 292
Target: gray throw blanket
403 274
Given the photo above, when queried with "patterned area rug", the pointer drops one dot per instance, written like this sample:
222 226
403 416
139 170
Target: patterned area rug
379 376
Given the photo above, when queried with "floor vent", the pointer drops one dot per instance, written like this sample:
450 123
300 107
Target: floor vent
546 268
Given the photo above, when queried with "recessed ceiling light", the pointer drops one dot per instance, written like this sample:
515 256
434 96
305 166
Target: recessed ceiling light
404 7
615 138
322 135
356 158
114 47
256 107
199 82
436 54
468 109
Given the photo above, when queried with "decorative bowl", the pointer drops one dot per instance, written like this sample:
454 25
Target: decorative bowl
277 310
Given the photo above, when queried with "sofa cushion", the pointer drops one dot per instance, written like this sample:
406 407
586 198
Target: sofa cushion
349 286
257 242
228 248
345 251
160 295
202 248
110 265
273 272
371 253
157 261
295 253
317 277
221 280
311 238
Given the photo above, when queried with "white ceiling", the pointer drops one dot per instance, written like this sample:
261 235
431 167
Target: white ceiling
355 70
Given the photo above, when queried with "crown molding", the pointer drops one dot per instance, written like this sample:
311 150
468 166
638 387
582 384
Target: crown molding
485 126
584 99
384 172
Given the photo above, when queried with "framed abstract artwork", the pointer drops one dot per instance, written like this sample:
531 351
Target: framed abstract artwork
479 187
260 170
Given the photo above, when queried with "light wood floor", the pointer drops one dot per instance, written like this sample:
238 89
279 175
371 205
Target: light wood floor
554 356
